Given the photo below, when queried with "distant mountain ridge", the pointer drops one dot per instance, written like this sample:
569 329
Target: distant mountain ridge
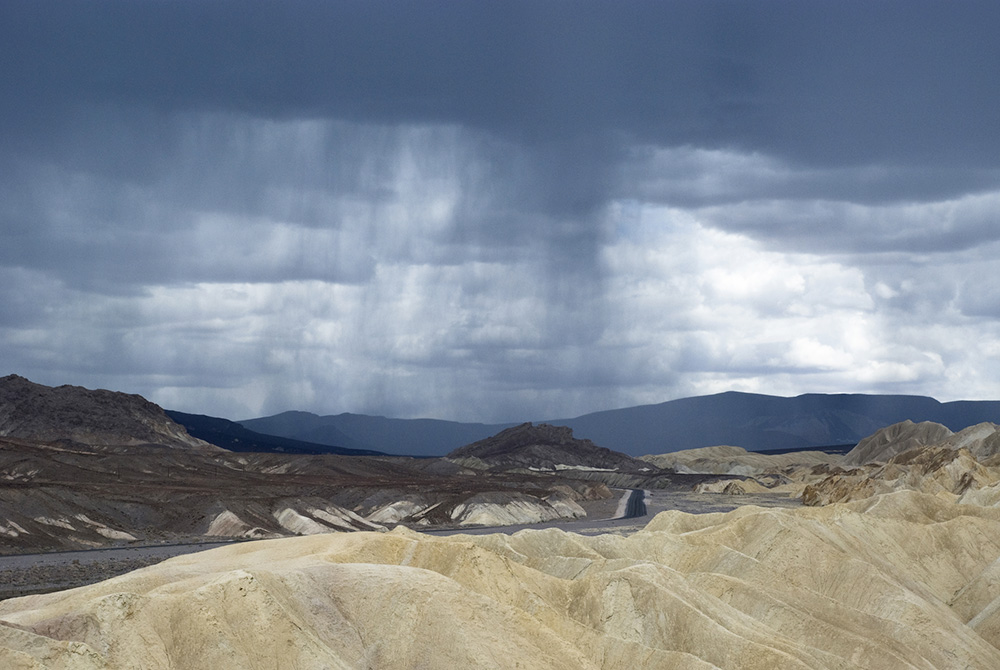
755 422
762 422
407 437
234 437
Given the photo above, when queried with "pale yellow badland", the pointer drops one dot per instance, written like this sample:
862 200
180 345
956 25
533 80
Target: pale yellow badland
900 580
904 572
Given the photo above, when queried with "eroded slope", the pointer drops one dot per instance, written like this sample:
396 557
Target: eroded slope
919 457
900 581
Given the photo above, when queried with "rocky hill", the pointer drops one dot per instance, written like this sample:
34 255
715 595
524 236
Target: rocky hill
886 442
546 449
55 496
741 471
87 417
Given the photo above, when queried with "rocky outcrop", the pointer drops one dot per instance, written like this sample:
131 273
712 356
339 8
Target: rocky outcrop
94 418
727 460
965 464
885 443
899 581
932 470
547 450
981 440
544 447
491 508
733 487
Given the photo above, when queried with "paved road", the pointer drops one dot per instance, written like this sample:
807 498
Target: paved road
636 505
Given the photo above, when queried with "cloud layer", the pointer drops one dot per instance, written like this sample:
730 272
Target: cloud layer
503 211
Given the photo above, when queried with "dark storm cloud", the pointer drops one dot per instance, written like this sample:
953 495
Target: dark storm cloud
213 198
846 83
863 102
472 208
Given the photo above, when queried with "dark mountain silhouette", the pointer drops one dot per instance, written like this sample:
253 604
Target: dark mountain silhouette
409 437
752 421
234 437
757 422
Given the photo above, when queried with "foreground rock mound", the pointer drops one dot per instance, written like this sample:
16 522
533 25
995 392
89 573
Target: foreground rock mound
901 581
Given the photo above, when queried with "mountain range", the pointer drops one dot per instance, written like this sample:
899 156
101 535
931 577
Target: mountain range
234 437
755 422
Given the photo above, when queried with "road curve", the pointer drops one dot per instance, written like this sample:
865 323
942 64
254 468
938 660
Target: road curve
636 505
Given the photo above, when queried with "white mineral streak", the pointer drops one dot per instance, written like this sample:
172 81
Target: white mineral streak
59 523
582 468
295 522
113 534
227 524
396 512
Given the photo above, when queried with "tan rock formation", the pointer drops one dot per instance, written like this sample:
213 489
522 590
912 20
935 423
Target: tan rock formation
728 460
965 465
784 474
732 487
904 580
883 444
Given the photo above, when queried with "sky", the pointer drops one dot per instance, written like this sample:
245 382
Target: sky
499 211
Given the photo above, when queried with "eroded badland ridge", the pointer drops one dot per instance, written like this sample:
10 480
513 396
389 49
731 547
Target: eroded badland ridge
82 469
907 583
892 564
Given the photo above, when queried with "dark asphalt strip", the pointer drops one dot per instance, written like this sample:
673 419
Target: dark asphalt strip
636 505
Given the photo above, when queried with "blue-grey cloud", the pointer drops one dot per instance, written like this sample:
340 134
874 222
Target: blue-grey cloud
497 210
846 82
